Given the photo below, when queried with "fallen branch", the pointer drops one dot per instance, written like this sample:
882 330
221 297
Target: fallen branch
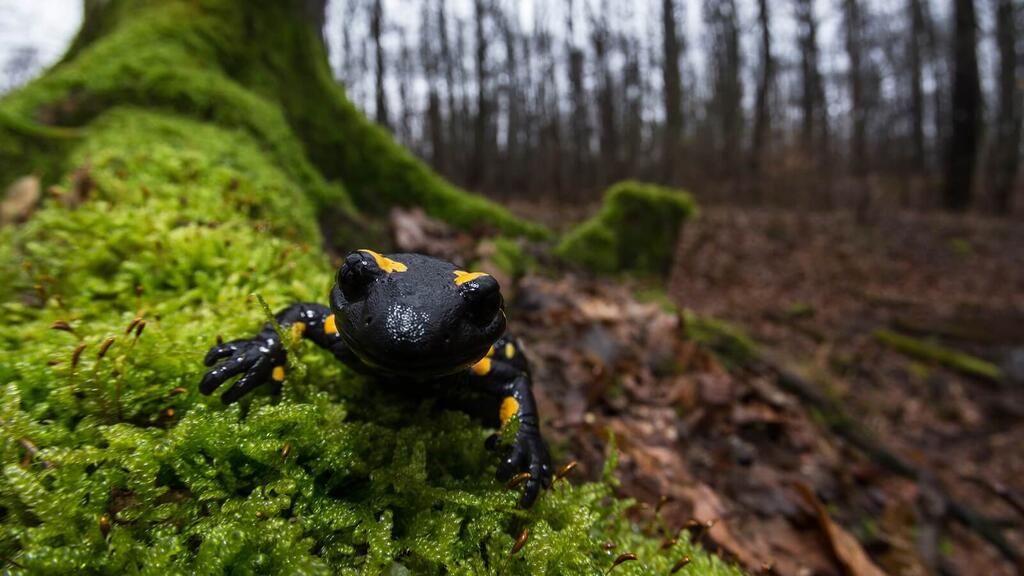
929 351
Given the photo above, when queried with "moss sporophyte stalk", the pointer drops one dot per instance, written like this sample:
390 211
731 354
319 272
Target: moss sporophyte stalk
210 134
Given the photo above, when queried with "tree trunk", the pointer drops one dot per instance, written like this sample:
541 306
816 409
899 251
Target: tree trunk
762 117
916 42
671 53
608 169
726 104
811 88
853 19
1006 156
481 132
963 146
455 118
377 32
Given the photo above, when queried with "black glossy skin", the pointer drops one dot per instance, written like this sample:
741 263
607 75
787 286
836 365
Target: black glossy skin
427 324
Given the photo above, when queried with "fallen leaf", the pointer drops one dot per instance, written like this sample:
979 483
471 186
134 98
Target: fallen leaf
846 548
20 200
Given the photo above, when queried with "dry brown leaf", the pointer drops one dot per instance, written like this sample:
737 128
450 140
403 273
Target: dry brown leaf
751 552
20 200
846 548
599 310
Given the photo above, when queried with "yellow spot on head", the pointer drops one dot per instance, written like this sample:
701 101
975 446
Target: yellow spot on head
509 408
278 373
482 368
461 276
386 264
510 350
490 351
330 326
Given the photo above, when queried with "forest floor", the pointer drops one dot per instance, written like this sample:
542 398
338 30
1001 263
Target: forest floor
819 447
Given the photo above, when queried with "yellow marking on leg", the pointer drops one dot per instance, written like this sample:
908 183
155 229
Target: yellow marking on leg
298 329
386 264
510 350
509 408
482 368
278 373
330 326
461 276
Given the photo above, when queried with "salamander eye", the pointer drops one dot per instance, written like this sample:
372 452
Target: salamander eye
483 300
356 274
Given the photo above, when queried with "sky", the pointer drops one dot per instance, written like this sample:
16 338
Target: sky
45 25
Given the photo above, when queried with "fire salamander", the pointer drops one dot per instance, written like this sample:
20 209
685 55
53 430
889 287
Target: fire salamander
417 320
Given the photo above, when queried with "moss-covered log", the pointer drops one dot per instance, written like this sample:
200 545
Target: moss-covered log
932 352
634 231
188 179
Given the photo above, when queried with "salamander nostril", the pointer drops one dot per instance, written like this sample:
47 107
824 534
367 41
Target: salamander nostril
356 274
483 301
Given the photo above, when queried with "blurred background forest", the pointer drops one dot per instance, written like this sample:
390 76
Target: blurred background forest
807 103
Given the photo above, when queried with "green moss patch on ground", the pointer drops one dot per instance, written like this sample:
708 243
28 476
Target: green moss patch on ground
114 463
635 230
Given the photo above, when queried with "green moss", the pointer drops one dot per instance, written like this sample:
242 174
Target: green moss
730 342
186 221
931 352
29 148
657 295
635 230
510 257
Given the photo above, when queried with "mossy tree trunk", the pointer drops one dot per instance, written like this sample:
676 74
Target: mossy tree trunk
261 66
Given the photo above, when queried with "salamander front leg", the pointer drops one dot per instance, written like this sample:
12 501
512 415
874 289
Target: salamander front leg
504 372
261 359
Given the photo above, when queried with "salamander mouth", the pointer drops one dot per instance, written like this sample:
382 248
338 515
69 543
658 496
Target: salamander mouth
419 368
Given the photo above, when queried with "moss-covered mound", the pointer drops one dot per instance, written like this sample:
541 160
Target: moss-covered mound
635 230
113 463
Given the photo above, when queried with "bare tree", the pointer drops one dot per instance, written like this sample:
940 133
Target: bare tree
916 41
376 32
601 38
578 120
430 56
963 146
765 83
725 107
633 97
511 175
552 169
479 170
812 98
406 73
854 28
672 52
1006 155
